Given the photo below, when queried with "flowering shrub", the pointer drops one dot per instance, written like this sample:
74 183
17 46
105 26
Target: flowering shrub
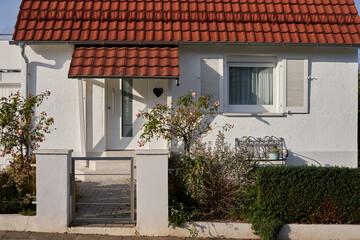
20 134
20 130
187 121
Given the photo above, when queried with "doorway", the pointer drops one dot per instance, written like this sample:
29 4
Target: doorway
124 99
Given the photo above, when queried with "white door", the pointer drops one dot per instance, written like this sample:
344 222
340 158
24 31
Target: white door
124 98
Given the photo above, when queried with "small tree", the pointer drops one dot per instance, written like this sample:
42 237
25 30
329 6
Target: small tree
20 130
188 120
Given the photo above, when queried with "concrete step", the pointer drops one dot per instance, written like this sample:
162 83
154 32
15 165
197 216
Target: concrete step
121 166
103 177
118 165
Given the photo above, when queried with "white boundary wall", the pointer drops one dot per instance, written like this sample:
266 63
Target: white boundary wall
54 208
52 195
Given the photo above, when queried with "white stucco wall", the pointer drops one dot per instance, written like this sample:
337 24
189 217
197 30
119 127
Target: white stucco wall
326 136
49 66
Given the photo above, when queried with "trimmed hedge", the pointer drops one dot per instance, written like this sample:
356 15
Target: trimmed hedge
326 195
310 194
12 199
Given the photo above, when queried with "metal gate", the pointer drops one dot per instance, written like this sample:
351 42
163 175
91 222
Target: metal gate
103 191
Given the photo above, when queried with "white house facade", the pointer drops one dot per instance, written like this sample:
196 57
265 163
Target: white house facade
302 88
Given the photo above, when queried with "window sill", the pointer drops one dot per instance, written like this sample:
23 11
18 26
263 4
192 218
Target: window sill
254 114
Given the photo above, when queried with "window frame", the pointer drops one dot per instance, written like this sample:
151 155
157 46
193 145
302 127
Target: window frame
254 61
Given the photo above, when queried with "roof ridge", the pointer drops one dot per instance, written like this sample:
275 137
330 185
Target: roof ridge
191 16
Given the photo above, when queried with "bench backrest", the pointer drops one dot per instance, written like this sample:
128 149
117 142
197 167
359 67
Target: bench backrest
259 148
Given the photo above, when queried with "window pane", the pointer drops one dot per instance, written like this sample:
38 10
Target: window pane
250 86
127 112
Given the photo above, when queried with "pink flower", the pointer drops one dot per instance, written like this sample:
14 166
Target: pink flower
2 155
7 152
216 104
38 140
140 128
20 132
193 94
232 125
139 145
138 115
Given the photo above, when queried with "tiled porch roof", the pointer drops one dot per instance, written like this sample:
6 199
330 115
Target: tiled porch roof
124 62
263 21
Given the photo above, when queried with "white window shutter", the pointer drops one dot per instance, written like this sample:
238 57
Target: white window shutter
8 88
210 77
296 85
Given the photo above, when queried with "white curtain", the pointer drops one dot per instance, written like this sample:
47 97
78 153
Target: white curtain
250 86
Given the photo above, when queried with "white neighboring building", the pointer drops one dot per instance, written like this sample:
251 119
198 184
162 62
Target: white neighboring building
10 68
302 84
10 75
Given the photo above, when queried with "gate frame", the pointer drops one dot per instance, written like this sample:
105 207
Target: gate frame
132 184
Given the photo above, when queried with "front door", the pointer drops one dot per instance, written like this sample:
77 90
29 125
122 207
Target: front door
124 98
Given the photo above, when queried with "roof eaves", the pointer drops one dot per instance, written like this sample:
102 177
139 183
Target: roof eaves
169 43
122 76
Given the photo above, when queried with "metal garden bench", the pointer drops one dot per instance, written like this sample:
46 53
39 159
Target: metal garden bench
259 149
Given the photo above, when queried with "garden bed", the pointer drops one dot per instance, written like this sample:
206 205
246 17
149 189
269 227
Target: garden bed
318 200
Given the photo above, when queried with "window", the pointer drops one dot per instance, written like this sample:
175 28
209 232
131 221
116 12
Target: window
127 108
256 84
251 84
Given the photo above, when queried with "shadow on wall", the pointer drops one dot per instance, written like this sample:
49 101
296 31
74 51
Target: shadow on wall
49 53
296 159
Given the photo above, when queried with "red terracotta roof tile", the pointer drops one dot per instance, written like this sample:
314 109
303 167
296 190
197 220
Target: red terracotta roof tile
125 61
298 21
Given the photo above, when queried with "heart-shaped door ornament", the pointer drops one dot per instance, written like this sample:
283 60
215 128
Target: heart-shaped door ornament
158 91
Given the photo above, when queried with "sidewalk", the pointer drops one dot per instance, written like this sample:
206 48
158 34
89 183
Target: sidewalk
65 236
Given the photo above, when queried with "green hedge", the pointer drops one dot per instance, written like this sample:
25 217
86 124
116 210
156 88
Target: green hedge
307 195
310 194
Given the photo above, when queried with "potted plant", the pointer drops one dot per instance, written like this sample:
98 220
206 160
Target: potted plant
274 153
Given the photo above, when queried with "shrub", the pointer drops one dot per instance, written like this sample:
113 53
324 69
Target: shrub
212 181
17 192
305 195
21 132
187 121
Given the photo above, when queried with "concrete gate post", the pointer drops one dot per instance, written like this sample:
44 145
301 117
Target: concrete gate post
53 213
152 192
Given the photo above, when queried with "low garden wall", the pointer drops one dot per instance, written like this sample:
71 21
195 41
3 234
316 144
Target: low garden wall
52 196
292 194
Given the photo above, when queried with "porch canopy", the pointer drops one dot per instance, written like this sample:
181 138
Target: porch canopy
124 62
